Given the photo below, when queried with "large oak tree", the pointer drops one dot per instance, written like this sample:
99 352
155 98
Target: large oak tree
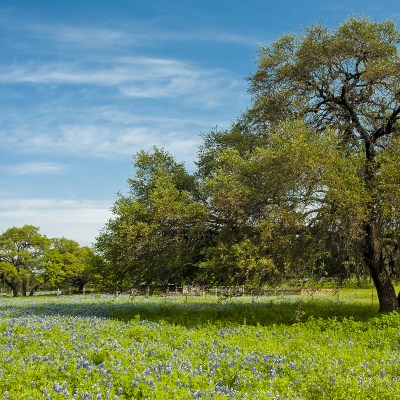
348 80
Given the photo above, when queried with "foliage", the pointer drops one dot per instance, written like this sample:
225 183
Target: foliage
346 78
76 262
22 257
30 260
158 231
291 195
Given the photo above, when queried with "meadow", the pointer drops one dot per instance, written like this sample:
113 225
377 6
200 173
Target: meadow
106 347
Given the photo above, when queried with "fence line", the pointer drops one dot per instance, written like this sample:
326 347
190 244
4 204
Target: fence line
219 291
195 290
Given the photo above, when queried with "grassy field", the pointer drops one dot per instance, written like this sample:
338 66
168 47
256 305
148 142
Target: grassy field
325 346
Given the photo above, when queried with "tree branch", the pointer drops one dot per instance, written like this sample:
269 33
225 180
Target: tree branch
387 129
342 101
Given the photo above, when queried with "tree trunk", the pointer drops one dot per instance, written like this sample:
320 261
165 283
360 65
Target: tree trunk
373 257
24 289
373 247
33 290
81 285
13 286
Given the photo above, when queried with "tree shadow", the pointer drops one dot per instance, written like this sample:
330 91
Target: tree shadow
191 312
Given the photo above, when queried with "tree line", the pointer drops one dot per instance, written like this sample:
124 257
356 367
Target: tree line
305 182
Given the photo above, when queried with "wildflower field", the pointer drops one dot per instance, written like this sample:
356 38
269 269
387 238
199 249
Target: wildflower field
105 347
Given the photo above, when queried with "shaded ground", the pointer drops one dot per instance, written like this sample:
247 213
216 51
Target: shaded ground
192 312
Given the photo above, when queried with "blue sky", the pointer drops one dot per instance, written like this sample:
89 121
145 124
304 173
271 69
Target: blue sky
84 85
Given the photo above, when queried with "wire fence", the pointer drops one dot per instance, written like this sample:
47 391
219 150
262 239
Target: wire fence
194 290
220 291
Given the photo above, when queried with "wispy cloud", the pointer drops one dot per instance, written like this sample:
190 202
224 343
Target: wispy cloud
135 34
97 141
35 168
135 115
109 131
87 74
85 36
140 77
77 220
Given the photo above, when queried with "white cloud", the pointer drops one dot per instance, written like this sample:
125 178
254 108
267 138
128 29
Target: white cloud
107 132
35 168
140 77
97 141
77 220
85 36
139 34
136 33
66 74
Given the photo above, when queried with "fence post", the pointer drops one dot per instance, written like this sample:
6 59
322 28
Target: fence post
148 291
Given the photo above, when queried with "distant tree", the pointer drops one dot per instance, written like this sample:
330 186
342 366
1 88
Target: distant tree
75 263
22 257
30 260
158 230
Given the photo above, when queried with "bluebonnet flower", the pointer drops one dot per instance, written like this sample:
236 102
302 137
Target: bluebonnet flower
168 367
221 388
197 394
